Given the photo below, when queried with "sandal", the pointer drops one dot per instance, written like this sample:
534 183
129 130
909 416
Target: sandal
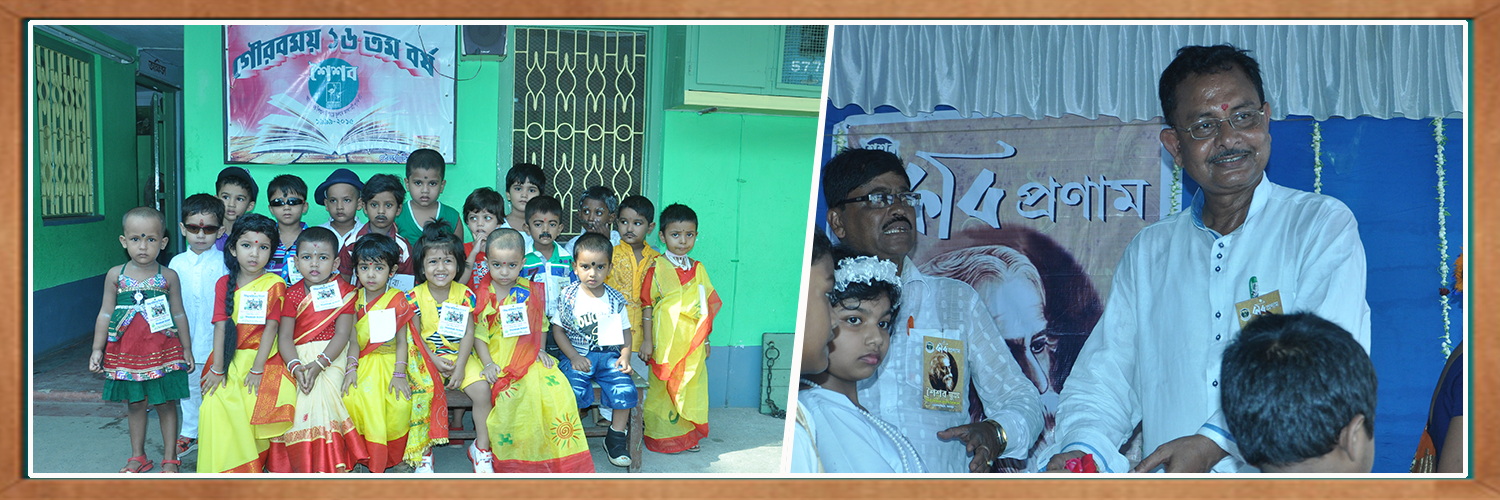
144 465
694 449
176 466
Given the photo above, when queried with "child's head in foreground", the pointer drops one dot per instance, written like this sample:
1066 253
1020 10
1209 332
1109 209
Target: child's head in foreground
679 228
504 253
143 234
483 211
375 259
317 255
522 183
543 220
864 299
424 176
635 219
202 221
592 255
1299 396
596 209
440 254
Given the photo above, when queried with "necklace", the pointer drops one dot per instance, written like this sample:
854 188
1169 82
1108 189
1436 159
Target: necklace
903 447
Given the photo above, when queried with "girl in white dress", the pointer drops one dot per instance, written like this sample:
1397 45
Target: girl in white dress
865 297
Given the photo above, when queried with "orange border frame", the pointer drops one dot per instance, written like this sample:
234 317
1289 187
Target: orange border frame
1485 143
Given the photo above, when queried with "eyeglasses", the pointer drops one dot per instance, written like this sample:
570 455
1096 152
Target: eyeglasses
201 229
1240 120
291 202
882 200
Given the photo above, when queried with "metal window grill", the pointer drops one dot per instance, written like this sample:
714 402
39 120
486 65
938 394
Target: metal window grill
580 110
64 133
802 55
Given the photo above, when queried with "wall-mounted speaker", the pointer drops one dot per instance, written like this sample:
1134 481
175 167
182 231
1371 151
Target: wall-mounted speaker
488 40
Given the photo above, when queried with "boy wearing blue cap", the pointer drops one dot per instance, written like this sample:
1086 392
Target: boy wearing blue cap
340 194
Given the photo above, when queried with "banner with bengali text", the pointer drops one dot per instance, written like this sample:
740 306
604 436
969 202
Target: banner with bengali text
1034 214
338 94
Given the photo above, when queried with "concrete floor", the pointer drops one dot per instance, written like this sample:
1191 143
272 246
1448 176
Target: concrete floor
74 432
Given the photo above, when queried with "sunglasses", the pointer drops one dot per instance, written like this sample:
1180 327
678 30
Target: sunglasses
291 202
201 229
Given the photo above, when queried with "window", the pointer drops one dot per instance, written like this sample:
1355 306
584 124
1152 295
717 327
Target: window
64 132
580 110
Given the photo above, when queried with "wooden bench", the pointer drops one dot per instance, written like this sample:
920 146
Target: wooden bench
459 404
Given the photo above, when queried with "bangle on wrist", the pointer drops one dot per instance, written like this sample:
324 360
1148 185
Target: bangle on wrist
211 370
261 372
999 433
398 375
291 365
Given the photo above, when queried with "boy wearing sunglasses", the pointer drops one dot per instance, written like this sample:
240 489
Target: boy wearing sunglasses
288 204
198 271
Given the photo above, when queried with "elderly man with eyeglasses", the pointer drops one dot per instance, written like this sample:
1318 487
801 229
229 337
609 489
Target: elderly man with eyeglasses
1187 284
872 210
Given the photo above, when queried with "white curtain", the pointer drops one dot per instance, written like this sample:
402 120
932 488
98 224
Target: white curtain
1037 71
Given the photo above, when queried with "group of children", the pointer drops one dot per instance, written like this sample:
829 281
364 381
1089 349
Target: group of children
333 346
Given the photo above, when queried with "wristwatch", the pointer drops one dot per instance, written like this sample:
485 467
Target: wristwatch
999 433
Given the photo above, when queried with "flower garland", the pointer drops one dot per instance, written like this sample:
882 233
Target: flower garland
1317 146
1176 188
1442 198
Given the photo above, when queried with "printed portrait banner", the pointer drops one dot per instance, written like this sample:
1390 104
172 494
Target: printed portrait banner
338 94
1034 214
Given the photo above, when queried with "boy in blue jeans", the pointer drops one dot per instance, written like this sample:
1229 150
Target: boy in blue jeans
592 329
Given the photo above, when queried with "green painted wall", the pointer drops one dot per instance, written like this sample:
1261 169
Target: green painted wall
747 176
67 253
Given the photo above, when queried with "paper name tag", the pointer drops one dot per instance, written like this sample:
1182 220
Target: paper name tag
943 364
382 325
292 274
1265 304
702 301
609 330
326 296
513 321
252 308
452 318
158 313
403 282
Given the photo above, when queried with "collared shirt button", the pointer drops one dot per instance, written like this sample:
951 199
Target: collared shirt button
1216 269
1216 383
1216 315
1221 244
1216 337
1220 256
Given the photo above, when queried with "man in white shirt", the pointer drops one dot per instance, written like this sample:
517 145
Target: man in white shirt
198 272
1186 285
871 209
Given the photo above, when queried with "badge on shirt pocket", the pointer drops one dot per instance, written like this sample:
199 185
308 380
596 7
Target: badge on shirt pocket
252 308
292 274
513 321
326 296
1259 306
158 313
452 320
943 365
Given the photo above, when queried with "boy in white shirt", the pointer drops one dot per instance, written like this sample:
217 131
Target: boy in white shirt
198 271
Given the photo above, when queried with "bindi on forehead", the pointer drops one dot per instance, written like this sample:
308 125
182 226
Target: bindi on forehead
1223 107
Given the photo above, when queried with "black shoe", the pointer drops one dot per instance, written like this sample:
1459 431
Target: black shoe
617 447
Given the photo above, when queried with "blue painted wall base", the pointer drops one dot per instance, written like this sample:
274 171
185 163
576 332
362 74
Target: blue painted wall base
64 313
734 374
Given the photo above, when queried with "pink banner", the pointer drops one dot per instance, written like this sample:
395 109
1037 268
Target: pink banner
338 94
1034 214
